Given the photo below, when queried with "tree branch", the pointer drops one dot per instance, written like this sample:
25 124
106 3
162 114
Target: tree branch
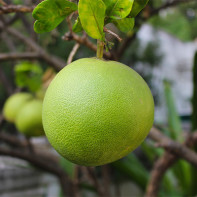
39 53
73 52
174 147
168 159
19 56
43 163
84 41
6 9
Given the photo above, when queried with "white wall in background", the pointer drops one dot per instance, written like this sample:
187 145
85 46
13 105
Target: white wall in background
176 66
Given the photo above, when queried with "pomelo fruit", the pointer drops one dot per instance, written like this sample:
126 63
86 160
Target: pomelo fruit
96 112
14 104
29 119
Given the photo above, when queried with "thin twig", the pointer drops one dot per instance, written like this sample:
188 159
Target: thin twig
106 180
73 53
39 52
84 41
113 34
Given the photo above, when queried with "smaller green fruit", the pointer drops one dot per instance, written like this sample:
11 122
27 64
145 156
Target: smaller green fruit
13 105
29 119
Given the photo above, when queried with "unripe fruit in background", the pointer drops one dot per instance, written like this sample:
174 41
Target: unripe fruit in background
96 112
14 104
29 119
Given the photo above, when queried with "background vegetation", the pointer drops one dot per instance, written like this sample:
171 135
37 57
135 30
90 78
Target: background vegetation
165 164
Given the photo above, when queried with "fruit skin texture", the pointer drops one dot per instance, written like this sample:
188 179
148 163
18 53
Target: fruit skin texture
13 105
96 112
29 119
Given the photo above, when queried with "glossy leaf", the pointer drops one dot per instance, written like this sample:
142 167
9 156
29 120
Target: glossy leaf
125 24
92 15
77 27
138 5
118 8
49 14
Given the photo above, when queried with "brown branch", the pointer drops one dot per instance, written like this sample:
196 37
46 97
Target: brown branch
51 60
106 179
2 2
167 160
19 56
91 175
84 41
158 171
43 163
173 147
39 53
13 141
6 9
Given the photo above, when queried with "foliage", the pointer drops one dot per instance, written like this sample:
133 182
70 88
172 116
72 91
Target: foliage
93 15
180 21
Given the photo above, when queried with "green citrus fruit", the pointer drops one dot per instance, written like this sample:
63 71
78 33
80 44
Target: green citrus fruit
14 104
96 111
29 119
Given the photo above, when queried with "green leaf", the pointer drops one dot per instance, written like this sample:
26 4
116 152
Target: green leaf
138 5
174 121
181 168
92 15
125 24
28 75
77 27
49 14
118 8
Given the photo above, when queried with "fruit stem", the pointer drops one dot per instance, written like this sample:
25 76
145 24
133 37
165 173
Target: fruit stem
100 48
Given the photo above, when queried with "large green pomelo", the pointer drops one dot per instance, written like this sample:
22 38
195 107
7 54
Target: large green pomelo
14 104
29 119
96 111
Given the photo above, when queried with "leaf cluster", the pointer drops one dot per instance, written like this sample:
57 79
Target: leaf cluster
92 15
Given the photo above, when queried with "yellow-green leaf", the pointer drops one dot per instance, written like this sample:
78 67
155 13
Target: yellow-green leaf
118 8
92 15
50 13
